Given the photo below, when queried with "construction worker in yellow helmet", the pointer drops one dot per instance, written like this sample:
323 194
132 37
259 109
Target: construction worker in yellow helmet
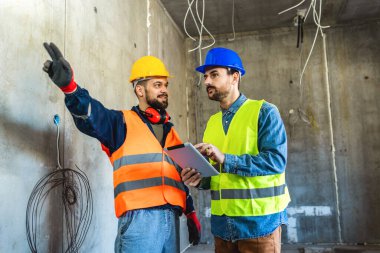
149 195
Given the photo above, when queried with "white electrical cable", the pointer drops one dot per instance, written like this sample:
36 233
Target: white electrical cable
201 22
199 27
333 150
184 20
148 15
58 158
188 246
317 15
200 37
189 9
292 7
204 27
233 20
308 57
317 19
308 10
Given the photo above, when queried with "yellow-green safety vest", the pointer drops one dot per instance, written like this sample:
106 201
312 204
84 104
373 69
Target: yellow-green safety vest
235 195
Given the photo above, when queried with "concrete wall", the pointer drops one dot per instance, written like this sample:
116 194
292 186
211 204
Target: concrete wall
355 85
333 127
100 39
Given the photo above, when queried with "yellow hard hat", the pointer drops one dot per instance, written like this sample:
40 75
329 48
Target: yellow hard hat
147 66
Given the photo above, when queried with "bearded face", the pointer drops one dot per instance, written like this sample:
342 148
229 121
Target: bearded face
153 92
218 83
158 101
216 94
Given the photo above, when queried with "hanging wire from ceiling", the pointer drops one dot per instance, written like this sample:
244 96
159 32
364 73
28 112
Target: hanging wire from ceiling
200 27
192 14
295 6
317 16
76 199
233 20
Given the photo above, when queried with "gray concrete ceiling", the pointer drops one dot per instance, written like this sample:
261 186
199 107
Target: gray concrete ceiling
253 15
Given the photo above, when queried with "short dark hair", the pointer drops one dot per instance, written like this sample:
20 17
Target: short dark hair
143 83
231 71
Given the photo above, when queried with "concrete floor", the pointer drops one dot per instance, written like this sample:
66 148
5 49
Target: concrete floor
202 248
292 248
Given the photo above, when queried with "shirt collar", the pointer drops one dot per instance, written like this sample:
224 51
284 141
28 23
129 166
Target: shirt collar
236 105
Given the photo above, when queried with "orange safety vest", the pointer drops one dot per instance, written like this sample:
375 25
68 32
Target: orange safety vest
143 176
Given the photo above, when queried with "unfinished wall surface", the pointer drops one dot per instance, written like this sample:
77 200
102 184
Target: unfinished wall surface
101 40
333 127
332 119
354 64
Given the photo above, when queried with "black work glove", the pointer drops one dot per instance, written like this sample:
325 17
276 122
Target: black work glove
194 228
59 69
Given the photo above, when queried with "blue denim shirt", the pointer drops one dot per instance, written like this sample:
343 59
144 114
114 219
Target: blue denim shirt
271 160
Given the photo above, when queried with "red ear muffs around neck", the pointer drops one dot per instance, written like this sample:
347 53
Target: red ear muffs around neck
156 117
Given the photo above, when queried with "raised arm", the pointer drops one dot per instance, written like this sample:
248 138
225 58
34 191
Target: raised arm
89 115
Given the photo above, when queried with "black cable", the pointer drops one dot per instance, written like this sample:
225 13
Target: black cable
298 30
300 21
76 200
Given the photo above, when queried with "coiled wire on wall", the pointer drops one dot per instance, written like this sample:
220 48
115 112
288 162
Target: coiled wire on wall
76 199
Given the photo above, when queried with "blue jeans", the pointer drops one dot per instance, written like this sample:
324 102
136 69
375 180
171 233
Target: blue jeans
153 230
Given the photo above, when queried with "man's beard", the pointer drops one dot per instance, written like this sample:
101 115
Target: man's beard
217 95
153 102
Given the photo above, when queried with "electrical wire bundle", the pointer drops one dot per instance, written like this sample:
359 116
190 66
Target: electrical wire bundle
317 16
76 200
200 29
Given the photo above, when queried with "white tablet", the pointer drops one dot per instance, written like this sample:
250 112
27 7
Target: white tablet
187 156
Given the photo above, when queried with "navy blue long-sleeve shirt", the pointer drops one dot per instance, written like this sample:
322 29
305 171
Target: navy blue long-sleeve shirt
106 125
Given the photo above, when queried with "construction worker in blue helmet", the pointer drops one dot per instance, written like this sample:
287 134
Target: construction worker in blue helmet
246 141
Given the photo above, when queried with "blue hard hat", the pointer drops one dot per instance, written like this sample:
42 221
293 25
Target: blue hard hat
222 57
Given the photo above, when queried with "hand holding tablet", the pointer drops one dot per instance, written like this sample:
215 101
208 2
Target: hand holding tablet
211 152
187 156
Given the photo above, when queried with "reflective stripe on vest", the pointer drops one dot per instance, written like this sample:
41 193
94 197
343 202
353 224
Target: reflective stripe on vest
143 175
141 158
248 193
145 183
235 195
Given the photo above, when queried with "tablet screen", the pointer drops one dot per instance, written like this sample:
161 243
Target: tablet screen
187 156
